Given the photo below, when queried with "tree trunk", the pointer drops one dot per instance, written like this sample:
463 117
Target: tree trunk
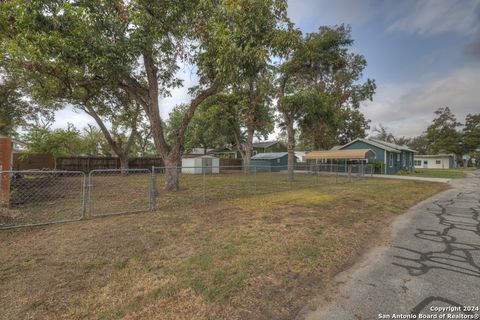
171 173
123 162
248 149
290 149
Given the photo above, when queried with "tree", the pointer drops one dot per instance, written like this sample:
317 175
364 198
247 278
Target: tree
339 120
318 86
94 142
419 143
442 134
58 142
121 112
136 47
144 145
471 132
383 133
16 110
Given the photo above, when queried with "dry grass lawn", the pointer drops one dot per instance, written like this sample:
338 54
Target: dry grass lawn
259 256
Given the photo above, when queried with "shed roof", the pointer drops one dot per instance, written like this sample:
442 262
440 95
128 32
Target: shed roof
269 155
340 154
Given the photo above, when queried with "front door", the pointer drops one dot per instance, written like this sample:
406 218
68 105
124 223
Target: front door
425 164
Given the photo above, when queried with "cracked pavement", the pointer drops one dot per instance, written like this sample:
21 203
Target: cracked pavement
431 261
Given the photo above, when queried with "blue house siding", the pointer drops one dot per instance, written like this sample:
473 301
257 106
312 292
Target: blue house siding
379 153
393 161
274 165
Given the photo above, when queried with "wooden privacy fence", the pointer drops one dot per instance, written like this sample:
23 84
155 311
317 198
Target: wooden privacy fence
33 161
231 162
87 164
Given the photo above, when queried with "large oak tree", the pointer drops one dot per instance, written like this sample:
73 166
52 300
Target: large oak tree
137 46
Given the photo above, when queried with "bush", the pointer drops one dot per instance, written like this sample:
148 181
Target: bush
378 167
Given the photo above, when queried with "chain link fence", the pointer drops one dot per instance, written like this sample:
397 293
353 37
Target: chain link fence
31 198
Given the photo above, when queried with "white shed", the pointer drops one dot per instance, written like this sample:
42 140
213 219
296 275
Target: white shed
198 165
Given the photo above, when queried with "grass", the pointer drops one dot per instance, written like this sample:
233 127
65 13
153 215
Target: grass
256 255
437 173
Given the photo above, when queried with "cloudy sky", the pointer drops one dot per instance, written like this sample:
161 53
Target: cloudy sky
422 54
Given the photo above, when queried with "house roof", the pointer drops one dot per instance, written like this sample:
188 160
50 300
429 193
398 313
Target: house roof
393 145
264 144
443 155
221 150
340 154
390 147
269 155
336 147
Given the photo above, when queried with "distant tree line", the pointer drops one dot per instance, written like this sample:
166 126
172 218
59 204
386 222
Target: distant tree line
445 135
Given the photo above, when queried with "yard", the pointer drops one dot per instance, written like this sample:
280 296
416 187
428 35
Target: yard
437 173
243 255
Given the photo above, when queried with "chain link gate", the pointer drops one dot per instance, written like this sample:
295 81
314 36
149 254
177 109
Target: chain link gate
31 198
119 191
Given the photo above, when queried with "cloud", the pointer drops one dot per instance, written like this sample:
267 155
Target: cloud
333 12
431 17
408 108
472 49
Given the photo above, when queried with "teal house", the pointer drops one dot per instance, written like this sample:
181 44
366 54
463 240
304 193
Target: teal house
271 161
394 158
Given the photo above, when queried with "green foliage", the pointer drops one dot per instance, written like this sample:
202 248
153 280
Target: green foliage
94 142
16 110
321 88
58 142
419 143
471 132
442 134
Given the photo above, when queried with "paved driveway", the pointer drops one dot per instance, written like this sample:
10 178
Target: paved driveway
432 261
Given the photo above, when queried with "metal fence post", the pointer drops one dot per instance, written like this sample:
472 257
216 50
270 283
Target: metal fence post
84 196
203 185
89 192
153 190
255 179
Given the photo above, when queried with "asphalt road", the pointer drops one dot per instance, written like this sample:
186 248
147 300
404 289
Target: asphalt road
432 261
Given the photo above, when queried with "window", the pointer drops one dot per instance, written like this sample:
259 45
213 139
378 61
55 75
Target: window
404 162
278 160
390 160
438 162
418 162
398 157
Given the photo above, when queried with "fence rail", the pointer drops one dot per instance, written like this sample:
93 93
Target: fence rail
30 198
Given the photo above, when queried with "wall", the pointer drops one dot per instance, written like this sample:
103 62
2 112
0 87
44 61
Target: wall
379 153
432 163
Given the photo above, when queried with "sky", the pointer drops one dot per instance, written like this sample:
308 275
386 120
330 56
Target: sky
422 54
